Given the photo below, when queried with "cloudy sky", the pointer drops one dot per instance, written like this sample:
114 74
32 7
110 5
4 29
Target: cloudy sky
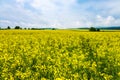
59 13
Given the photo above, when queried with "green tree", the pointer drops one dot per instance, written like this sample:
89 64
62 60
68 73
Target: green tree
8 27
97 29
92 29
25 28
18 27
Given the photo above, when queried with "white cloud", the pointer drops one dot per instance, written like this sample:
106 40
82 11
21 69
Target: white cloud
107 21
20 1
52 6
5 21
60 13
43 4
51 3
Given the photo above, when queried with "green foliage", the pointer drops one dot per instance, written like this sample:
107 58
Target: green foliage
25 28
93 29
97 29
43 28
18 27
8 27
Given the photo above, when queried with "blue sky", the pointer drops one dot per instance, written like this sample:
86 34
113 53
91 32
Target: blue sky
59 13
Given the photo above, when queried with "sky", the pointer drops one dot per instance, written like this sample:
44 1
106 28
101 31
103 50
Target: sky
59 13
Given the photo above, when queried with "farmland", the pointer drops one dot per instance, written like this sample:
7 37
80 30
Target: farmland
59 55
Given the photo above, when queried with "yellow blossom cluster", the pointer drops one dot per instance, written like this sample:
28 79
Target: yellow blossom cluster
59 55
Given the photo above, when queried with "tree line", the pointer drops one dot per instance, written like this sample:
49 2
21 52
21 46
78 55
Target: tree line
18 27
94 29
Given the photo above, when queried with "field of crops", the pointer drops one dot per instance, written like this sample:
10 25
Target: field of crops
59 55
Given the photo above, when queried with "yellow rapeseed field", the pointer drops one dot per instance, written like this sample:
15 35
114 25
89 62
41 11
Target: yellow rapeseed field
59 55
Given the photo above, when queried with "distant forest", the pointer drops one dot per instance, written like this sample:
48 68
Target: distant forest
18 27
97 28
109 28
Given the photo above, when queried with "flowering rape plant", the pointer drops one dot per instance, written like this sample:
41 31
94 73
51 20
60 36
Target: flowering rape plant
59 55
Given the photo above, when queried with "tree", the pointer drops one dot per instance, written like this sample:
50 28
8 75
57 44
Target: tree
25 28
53 29
17 27
98 30
92 29
28 28
8 27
